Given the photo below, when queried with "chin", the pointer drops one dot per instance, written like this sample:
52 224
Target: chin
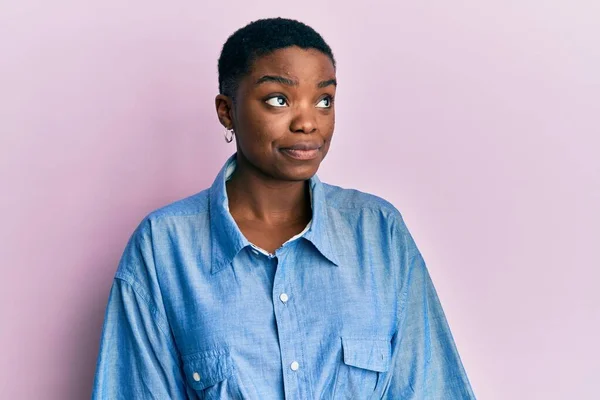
299 173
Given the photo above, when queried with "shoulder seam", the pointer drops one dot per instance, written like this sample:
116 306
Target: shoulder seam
390 210
197 201
161 216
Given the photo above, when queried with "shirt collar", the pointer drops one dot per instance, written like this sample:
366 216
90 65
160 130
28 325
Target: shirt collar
226 238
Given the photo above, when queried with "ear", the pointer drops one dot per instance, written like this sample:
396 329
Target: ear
224 106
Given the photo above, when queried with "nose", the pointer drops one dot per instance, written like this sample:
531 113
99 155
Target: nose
304 120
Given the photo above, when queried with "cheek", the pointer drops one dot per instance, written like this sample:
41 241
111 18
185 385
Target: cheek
264 128
257 130
263 131
327 124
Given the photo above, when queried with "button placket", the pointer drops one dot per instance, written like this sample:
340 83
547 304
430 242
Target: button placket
294 379
284 330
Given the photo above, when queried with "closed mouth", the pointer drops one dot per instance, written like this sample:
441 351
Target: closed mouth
301 153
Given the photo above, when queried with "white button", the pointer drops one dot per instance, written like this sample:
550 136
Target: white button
255 251
196 376
294 366
283 297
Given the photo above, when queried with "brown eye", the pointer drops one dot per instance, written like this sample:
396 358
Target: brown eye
277 101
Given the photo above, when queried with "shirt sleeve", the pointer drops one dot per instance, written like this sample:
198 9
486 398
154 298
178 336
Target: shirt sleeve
425 361
137 357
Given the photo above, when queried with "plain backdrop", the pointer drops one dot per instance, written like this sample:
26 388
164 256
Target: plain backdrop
478 119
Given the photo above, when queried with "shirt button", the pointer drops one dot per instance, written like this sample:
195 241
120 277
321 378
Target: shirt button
255 251
283 297
294 366
196 376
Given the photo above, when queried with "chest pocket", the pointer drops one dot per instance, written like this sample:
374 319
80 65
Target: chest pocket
364 361
210 373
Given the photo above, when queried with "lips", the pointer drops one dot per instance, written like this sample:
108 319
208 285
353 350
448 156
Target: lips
303 146
302 151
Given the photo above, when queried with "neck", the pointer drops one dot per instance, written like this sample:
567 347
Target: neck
253 196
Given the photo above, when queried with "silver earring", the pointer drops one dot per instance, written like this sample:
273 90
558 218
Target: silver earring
229 135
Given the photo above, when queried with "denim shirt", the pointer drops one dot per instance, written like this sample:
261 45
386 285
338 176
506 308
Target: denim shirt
344 310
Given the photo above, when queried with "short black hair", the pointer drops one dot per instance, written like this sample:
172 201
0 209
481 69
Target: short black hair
258 39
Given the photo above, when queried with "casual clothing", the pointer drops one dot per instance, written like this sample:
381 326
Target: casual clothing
344 310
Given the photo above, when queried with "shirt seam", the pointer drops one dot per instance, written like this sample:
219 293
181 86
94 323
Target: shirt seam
160 217
159 319
388 209
404 294
167 324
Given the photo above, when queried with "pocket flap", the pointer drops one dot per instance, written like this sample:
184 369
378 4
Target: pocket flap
207 368
367 353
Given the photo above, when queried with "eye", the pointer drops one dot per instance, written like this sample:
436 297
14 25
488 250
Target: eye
325 102
277 101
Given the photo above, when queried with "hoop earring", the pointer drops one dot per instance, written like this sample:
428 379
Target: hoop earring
229 133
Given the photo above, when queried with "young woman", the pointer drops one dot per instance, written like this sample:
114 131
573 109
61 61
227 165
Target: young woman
271 284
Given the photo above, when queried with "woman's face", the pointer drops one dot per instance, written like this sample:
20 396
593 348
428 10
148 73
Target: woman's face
283 114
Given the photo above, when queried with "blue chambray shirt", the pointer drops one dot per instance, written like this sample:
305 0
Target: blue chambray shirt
344 310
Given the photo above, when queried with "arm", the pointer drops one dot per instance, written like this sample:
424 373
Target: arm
138 358
426 363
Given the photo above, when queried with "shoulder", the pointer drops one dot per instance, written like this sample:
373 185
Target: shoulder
151 236
139 250
350 200
191 205
358 207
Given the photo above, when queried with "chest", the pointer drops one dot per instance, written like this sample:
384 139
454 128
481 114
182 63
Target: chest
269 237
259 298
295 310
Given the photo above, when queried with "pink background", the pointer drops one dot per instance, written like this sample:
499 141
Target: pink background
478 120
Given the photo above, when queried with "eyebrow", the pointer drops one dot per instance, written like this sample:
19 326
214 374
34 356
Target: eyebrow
291 82
327 83
276 79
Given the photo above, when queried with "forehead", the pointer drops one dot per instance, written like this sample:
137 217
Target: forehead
295 62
